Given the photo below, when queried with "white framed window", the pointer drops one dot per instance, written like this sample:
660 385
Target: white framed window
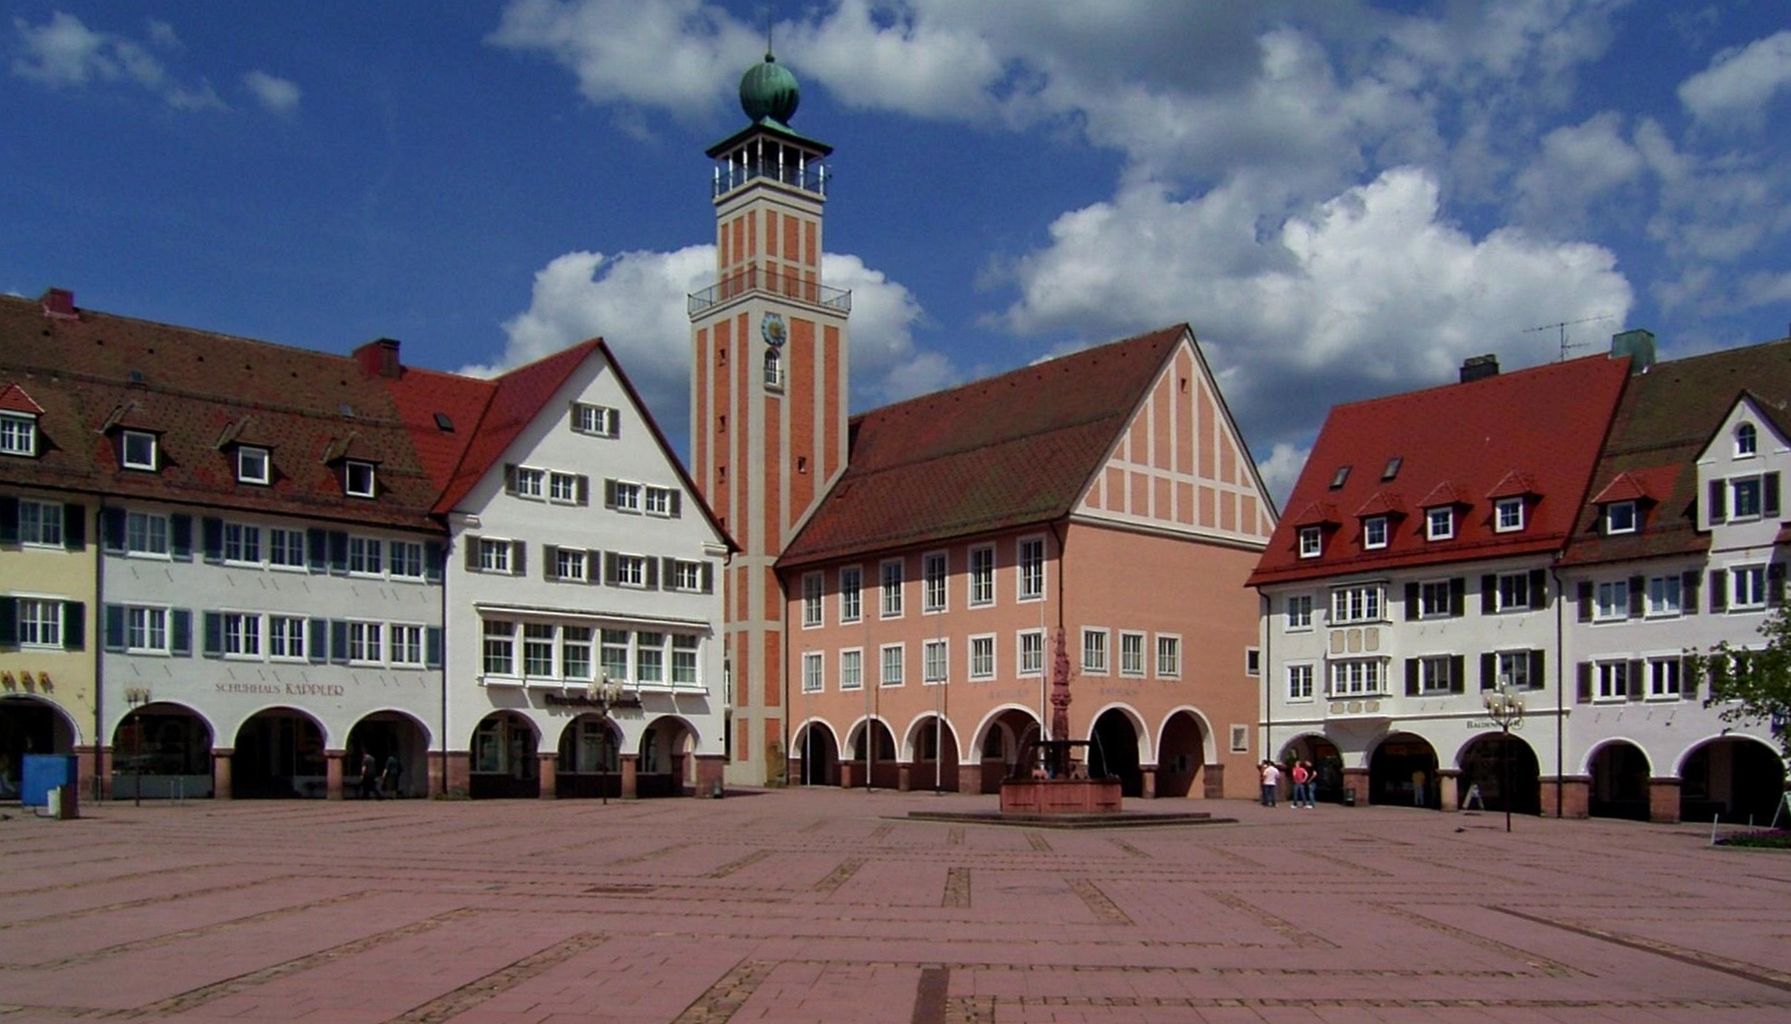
146 534
366 643
242 635
146 630
253 465
1612 680
1747 587
631 570
811 600
1439 523
1620 517
1299 612
1512 593
934 662
982 575
1433 599
499 647
1508 515
1094 651
613 651
286 637
575 652
406 643
358 479
1434 675
1169 656
892 588
626 496
40 523
982 656
1252 661
406 558
649 658
596 420
1746 440
538 643
571 564
687 576
1357 677
684 659
932 580
1029 652
526 482
1030 567
774 369
285 548
658 501
366 556
1299 682
1665 596
39 622
1131 654
1374 532
138 448
891 656
18 434
1744 498
1311 542
852 669
242 544
1612 601
562 488
811 672
851 593
1360 603
1663 678
1513 669
494 555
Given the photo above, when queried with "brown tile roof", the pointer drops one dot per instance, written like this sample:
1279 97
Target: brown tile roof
1667 418
1004 452
1455 443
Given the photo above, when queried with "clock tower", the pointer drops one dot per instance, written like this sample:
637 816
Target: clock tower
768 392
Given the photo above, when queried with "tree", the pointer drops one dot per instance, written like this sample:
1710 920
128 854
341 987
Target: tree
1753 683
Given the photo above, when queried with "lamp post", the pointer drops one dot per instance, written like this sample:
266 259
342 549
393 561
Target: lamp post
1505 707
137 697
606 692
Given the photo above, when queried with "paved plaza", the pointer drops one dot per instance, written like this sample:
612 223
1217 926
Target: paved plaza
822 905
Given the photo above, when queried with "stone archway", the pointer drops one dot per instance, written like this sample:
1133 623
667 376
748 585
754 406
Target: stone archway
1483 763
1403 771
385 735
1326 761
884 772
29 725
279 755
1736 778
1113 752
1005 738
819 762
1181 756
1620 775
667 762
162 751
589 762
504 761
935 746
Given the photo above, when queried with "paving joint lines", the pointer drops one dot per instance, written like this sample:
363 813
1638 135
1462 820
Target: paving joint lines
482 990
1739 968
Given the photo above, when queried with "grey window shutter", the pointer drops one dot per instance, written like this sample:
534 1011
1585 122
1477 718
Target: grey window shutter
1411 677
9 622
1636 670
74 527
213 641
180 530
1489 671
668 571
1538 679
112 529
609 494
317 545
1411 601
1718 509
432 647
114 627
1489 594
1585 682
181 631
550 562
74 626
708 577
1769 496
317 636
1638 587
471 544
1719 590
652 573
211 537
509 478
1775 584
678 504
9 520
1538 589
584 489
519 557
1585 601
1688 678
593 567
338 641
434 555
338 553
1458 594
609 568
1458 673
1688 583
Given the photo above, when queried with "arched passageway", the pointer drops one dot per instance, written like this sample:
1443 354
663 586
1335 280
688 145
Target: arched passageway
589 762
1737 779
1181 756
1004 738
666 766
1322 754
1403 771
1484 764
386 735
504 761
1619 782
279 755
1113 752
881 756
932 737
819 765
29 725
161 751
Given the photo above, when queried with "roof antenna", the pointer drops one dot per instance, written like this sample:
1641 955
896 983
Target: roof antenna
1561 326
766 11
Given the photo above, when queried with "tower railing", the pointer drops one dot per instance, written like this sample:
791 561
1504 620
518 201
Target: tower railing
750 280
732 173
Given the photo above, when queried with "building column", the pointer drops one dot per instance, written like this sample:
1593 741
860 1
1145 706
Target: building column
332 773
86 777
904 774
220 773
709 770
845 773
1449 788
1576 796
1213 782
1663 800
970 777
102 773
1148 781
455 768
630 787
1355 783
549 772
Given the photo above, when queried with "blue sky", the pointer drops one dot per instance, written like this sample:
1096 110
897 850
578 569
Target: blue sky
1343 199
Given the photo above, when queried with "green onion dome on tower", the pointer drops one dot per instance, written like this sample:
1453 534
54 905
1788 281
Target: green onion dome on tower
769 90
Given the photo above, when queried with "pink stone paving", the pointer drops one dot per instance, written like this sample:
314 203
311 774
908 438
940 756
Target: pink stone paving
822 906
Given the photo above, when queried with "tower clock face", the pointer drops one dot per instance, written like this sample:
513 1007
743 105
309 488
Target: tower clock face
772 327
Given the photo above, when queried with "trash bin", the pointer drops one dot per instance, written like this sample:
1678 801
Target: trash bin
1349 798
43 772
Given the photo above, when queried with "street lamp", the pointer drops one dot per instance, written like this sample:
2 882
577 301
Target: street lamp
137 697
606 692
1505 707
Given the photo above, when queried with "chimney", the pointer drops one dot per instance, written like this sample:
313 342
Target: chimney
1638 345
59 304
1479 367
379 358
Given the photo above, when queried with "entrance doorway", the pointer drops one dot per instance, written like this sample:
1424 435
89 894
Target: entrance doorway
1403 771
1181 756
383 735
930 770
589 762
1736 779
29 725
279 755
162 751
666 766
820 756
1619 782
1326 762
504 764
1483 764
1113 752
1004 737
882 757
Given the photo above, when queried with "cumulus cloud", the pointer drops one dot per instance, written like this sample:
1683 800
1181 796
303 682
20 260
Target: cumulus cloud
1739 85
280 95
1280 470
64 53
636 302
1578 167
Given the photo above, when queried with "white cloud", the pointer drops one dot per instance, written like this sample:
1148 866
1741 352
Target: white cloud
1281 470
1739 84
636 302
1579 165
64 53
280 95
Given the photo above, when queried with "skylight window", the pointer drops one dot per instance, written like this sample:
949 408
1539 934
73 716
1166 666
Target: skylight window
1392 468
443 423
1339 477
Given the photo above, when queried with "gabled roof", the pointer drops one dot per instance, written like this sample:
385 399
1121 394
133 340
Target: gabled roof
1623 487
14 399
1456 443
1382 503
1665 422
1514 485
1007 451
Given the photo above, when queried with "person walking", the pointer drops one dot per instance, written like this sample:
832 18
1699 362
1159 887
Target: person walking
1271 782
388 781
1302 784
369 777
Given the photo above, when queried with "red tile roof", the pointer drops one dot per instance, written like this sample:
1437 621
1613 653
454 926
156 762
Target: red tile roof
1454 443
14 399
1008 451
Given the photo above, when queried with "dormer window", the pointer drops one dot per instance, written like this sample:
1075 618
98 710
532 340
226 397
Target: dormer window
137 450
1620 517
1311 542
358 479
1746 440
1508 515
1374 532
18 434
253 465
1439 523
